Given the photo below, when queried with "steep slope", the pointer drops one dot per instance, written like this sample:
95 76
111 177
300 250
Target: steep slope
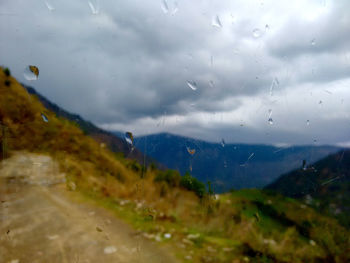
229 165
115 143
325 185
174 210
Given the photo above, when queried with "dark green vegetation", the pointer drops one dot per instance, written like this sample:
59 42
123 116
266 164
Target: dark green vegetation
228 166
325 186
241 226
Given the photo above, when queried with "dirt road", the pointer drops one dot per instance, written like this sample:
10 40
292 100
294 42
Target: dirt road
40 222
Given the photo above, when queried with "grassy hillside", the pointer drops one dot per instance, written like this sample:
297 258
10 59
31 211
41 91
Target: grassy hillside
114 143
242 226
325 185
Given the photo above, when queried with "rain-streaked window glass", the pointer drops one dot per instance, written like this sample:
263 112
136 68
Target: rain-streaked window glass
174 131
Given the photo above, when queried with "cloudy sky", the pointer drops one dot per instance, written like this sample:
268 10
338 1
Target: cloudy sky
127 65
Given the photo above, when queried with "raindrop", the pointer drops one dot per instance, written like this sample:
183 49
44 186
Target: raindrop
167 235
191 151
49 6
256 32
53 237
250 156
129 138
313 42
192 85
165 6
211 83
72 186
275 83
307 122
320 102
246 162
94 7
270 118
45 119
110 250
304 165
222 142
216 22
31 73
176 8
267 27
233 19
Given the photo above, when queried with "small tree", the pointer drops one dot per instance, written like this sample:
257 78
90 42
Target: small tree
7 72
190 183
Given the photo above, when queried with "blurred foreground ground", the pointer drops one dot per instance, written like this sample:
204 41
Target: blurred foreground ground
41 221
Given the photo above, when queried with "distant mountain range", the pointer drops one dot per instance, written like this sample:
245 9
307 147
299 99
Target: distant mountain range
325 185
228 166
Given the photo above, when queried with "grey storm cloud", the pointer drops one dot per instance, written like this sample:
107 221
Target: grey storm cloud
127 67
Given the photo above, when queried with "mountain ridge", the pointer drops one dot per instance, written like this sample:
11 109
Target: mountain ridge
116 143
324 185
231 165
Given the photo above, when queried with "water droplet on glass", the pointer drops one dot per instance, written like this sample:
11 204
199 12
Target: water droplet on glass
43 116
320 102
129 138
191 151
53 237
250 156
176 8
31 73
165 6
192 85
110 250
167 235
95 9
211 83
307 122
304 165
275 83
72 186
270 118
216 22
222 142
256 32
233 19
49 6
313 42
